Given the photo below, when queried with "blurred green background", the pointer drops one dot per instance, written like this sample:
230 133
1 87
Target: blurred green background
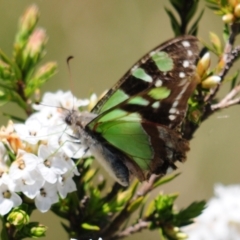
106 37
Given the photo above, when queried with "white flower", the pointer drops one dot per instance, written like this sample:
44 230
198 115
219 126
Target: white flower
64 100
32 131
23 172
48 116
51 164
46 196
30 189
22 167
8 199
221 219
65 184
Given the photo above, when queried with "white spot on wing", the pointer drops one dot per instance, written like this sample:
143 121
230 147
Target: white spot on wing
186 43
171 117
182 74
156 105
185 63
158 83
173 110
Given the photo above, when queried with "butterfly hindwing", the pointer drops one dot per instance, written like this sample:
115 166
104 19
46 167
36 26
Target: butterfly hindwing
145 147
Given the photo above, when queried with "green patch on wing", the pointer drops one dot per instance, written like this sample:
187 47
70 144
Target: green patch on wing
116 98
138 100
117 114
130 138
141 74
159 93
163 61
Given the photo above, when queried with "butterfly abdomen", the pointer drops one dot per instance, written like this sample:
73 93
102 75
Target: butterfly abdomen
112 161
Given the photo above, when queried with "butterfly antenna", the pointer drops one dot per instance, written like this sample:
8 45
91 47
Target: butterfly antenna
70 75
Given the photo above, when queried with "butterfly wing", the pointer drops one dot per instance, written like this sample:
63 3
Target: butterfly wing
167 68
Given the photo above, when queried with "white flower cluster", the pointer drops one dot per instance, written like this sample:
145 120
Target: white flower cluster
35 157
221 219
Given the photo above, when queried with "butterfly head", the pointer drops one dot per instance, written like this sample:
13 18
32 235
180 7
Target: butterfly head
76 119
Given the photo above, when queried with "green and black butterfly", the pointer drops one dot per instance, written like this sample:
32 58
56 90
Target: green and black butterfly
134 128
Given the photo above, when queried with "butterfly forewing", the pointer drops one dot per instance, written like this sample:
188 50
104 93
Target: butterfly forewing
168 69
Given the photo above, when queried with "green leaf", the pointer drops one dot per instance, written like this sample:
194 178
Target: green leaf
150 208
89 226
175 25
185 216
4 233
217 45
14 66
224 3
194 27
41 76
165 179
177 5
135 204
133 187
191 11
226 32
87 162
164 202
13 117
90 175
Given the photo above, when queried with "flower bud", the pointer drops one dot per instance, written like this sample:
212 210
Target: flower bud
33 51
216 43
41 76
228 18
237 11
46 71
38 230
27 23
203 64
211 81
18 217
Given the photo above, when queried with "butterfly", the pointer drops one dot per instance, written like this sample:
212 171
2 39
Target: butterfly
134 129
